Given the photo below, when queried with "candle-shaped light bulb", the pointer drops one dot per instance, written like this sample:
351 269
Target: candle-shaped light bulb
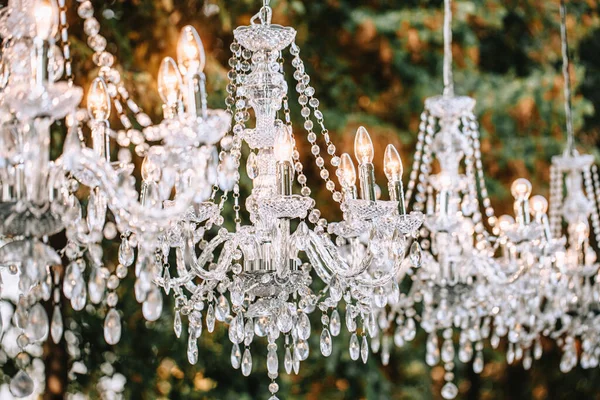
363 146
539 205
282 150
45 13
284 144
151 170
521 189
98 100
190 51
346 171
392 164
169 82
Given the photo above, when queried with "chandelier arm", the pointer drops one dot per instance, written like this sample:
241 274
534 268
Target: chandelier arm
196 264
317 263
183 272
492 272
567 78
125 210
326 248
448 79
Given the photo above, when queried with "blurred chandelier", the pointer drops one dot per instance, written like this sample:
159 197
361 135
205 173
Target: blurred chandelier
484 276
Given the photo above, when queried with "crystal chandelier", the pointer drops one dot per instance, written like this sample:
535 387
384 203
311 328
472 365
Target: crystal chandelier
575 203
259 265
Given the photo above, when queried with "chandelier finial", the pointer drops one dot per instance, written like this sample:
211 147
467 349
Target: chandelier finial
567 77
448 81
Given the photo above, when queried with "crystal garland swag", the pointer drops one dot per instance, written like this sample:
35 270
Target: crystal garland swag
474 271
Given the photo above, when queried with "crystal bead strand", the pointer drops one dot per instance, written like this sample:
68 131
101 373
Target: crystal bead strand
595 215
556 194
487 202
449 390
63 28
472 188
425 166
56 324
589 191
417 158
306 96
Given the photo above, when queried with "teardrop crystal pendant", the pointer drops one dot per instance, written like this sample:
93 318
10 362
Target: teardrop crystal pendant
112 327
449 391
478 363
354 347
37 323
153 305
288 360
210 318
325 343
126 254
247 363
222 310
192 350
364 350
272 362
415 254
56 326
177 324
236 356
21 385
335 323
303 326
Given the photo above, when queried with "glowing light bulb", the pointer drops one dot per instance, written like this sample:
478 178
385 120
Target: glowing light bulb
284 144
346 171
190 51
363 146
151 169
505 222
169 82
392 164
539 205
45 13
521 189
98 101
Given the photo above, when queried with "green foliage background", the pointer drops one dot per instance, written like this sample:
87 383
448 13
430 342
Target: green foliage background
373 63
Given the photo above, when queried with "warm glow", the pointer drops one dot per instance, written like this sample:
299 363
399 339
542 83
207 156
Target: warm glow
98 101
169 82
521 189
190 52
392 164
505 222
284 144
363 146
151 171
45 14
539 205
346 171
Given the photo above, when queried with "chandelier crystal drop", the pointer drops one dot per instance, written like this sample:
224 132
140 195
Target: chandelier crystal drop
450 266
